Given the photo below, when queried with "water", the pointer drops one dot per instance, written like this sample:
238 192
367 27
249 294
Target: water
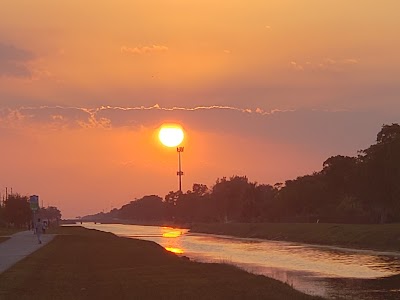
317 270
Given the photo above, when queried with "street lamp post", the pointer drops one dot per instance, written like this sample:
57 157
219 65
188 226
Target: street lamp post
172 135
180 173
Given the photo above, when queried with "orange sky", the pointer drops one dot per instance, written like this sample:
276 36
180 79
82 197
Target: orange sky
268 89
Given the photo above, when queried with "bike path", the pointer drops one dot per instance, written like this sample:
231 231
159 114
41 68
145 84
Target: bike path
20 245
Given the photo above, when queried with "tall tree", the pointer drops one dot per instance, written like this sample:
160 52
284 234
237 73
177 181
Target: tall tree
17 210
340 174
148 208
230 196
170 202
265 208
381 173
200 189
304 199
51 213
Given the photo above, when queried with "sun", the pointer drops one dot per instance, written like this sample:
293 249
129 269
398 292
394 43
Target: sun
171 135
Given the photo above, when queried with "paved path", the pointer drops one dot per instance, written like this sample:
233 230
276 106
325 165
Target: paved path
19 246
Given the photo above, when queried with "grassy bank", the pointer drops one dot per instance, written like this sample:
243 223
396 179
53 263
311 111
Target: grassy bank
3 239
87 264
6 232
380 237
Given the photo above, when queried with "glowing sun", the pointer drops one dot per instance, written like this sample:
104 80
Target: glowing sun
171 135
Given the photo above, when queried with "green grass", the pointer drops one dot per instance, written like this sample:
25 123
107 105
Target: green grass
88 264
380 237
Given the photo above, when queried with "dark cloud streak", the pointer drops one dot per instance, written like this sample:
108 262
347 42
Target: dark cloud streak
334 132
13 61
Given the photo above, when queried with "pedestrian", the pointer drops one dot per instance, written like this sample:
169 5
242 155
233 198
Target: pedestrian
44 226
39 230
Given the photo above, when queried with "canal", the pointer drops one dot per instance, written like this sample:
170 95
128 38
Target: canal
330 272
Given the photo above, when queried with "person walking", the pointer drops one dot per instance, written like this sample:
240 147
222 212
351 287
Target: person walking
39 230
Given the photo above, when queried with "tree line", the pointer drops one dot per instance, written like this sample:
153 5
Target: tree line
16 212
361 189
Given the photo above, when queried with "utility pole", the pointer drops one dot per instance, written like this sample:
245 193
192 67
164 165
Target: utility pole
180 173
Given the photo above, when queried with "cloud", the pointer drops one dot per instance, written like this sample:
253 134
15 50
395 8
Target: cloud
41 73
14 61
327 64
333 65
351 61
322 127
144 49
294 65
56 117
322 132
107 117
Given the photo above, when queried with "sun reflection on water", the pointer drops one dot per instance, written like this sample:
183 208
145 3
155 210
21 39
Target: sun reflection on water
172 242
172 234
174 250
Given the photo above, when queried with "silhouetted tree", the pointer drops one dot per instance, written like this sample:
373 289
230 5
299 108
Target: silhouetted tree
341 175
2 218
339 172
51 213
170 202
194 205
148 208
200 189
17 210
230 197
347 189
381 173
266 208
304 199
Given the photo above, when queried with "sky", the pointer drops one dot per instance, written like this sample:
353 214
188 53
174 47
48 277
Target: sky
266 89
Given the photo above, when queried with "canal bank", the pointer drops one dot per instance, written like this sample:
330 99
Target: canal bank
330 272
89 264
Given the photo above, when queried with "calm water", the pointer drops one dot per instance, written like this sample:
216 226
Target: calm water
325 271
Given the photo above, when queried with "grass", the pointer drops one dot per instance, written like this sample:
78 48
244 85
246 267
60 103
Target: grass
3 239
8 231
378 237
5 232
88 264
